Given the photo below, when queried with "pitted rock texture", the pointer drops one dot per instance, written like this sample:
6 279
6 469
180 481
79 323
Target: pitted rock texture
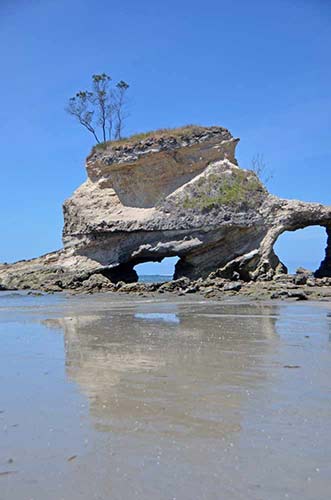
172 195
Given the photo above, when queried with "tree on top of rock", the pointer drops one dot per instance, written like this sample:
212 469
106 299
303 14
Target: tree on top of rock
101 111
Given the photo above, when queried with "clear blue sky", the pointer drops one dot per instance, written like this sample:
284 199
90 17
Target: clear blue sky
262 69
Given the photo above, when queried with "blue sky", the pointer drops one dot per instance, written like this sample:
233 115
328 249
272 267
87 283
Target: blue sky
262 69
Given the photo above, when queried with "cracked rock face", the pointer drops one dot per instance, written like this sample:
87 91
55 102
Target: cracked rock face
182 195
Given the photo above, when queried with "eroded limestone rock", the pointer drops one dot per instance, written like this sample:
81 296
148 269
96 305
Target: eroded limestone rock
170 195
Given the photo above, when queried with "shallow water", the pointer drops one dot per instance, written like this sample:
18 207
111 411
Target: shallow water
155 278
109 397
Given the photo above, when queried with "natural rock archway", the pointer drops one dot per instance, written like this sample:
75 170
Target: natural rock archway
159 271
182 195
174 193
289 215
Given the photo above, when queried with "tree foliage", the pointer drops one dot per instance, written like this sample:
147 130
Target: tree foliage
101 111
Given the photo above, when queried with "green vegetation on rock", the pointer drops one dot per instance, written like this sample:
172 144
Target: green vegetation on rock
241 187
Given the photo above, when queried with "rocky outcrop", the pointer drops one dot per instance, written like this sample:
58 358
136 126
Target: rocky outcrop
178 193
325 267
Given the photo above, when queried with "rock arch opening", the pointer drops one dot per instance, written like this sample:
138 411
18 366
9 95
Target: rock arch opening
157 271
308 248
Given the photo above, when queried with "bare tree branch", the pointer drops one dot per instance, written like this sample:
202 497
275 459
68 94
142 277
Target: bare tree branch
260 168
78 107
101 98
120 102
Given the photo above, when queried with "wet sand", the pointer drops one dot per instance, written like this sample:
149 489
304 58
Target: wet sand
163 399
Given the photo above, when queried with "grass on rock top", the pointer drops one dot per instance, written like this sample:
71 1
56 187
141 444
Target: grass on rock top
155 134
240 188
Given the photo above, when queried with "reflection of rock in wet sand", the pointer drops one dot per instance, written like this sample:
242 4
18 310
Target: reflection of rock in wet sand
184 371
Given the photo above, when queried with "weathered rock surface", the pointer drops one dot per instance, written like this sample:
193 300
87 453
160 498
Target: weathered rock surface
325 267
181 195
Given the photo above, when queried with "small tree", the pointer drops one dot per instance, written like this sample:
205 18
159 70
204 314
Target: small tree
119 107
260 168
101 110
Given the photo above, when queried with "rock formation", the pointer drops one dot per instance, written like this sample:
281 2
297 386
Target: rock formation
325 267
173 193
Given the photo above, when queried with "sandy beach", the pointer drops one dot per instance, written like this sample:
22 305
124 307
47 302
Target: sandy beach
169 399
